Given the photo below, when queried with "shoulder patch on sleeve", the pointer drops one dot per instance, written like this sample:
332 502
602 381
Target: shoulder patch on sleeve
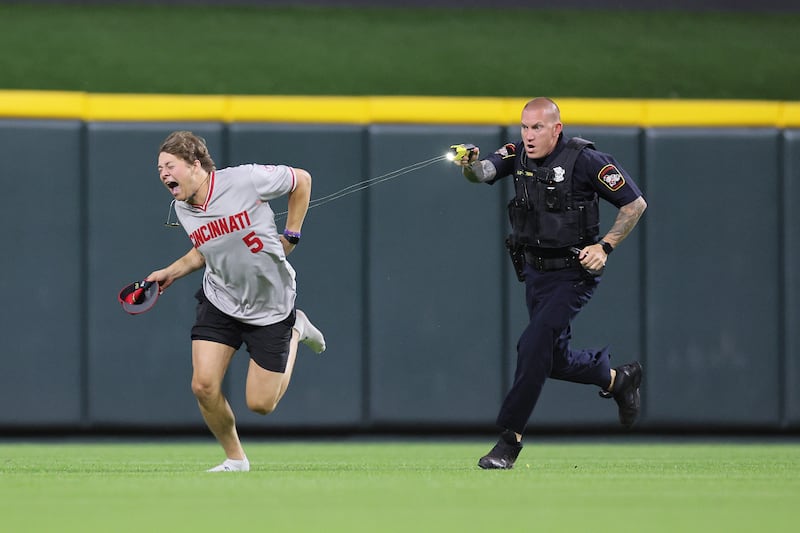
611 177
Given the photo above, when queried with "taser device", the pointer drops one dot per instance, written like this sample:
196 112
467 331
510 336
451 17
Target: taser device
460 151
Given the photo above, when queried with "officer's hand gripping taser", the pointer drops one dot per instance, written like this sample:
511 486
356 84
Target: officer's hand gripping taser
460 151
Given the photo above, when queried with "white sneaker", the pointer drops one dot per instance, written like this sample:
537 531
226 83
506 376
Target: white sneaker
232 465
309 334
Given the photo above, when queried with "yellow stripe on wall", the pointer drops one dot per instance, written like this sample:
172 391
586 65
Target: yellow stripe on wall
391 109
42 104
437 110
154 107
711 113
600 112
790 115
319 109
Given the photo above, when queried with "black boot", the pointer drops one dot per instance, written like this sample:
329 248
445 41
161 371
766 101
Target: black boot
503 454
626 392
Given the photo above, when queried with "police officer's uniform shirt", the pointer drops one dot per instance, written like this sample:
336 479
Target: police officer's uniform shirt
594 172
247 275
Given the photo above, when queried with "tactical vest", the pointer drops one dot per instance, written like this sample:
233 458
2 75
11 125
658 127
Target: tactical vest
544 212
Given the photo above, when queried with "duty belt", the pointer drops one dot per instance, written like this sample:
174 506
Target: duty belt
550 263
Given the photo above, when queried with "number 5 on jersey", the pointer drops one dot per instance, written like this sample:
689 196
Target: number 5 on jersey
253 242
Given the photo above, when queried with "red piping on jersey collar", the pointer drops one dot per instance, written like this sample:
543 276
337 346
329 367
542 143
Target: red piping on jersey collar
210 190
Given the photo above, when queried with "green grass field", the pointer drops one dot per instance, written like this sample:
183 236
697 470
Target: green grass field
401 486
379 51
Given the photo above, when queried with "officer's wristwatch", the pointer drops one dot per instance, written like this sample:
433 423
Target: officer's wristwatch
607 248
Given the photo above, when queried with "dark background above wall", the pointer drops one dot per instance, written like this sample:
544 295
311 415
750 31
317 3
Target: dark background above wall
685 5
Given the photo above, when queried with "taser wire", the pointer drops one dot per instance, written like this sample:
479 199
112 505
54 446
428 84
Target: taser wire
350 189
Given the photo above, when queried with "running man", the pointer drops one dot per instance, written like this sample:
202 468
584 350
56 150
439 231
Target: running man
248 291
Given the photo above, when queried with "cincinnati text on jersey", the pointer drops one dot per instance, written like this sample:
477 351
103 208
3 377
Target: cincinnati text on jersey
219 227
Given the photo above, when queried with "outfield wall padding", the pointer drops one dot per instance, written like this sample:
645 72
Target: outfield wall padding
43 311
789 280
409 280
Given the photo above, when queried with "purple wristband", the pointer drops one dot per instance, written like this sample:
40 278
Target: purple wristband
292 236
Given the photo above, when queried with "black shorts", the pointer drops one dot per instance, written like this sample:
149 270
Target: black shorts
268 345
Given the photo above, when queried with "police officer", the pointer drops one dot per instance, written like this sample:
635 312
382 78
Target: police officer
558 252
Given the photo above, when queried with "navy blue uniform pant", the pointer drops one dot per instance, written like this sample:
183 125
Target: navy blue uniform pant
554 299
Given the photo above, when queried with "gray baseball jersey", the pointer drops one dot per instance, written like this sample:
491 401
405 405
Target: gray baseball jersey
247 275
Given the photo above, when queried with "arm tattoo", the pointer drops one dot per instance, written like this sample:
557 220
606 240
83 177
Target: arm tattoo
627 218
480 171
